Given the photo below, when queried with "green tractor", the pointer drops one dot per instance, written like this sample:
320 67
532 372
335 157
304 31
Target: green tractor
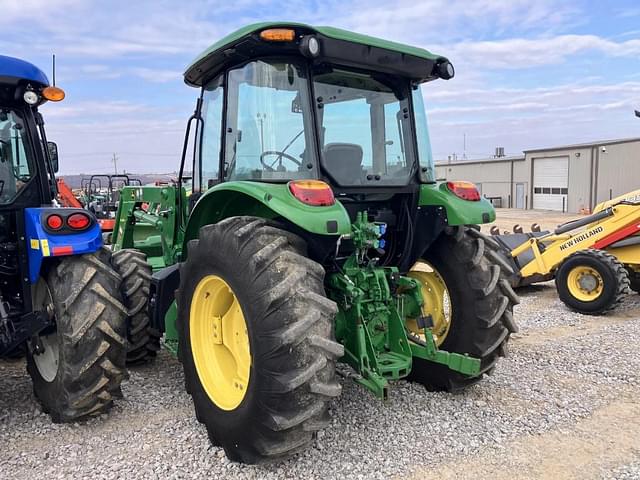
315 233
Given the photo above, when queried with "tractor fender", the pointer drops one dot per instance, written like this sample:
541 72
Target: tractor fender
458 210
265 200
42 243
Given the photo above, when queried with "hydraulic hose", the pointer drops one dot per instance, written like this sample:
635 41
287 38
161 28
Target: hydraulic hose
567 227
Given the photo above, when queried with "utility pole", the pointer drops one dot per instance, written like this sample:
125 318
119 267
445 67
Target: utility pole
114 159
464 146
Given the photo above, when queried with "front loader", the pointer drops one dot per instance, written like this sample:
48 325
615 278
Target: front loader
60 300
315 232
594 260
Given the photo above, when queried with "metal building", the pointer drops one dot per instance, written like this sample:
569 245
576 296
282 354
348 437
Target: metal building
570 178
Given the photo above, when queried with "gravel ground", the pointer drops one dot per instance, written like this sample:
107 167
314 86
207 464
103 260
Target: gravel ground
562 405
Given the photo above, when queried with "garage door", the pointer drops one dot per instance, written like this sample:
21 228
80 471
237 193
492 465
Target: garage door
550 183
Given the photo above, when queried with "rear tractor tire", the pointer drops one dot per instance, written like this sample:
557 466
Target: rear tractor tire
77 367
476 315
143 340
257 339
592 282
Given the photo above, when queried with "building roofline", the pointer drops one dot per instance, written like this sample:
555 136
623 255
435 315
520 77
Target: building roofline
584 145
512 158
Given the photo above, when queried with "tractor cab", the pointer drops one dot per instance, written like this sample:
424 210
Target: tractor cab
290 103
27 161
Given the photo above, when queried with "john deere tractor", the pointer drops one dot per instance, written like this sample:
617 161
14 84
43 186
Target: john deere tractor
315 234
60 300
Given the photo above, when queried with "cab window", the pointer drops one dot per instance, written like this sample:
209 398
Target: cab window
207 172
269 133
15 165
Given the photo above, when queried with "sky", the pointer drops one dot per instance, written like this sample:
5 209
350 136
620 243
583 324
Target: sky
529 73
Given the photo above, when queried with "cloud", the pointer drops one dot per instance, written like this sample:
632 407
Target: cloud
516 53
518 118
91 109
120 60
33 11
432 20
157 75
628 12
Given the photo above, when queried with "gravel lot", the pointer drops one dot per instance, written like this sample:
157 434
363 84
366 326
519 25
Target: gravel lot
562 405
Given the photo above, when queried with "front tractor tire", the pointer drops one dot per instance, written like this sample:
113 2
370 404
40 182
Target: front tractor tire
256 339
143 340
465 265
592 282
77 367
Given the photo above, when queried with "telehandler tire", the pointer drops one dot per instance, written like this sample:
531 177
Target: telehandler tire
143 340
257 339
592 282
77 368
481 304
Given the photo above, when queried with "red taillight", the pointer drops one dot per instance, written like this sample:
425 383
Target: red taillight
78 221
58 251
54 222
464 190
312 192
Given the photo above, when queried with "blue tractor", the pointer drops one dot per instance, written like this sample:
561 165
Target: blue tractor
60 297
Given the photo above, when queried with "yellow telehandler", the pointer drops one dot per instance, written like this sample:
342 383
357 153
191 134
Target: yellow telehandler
595 260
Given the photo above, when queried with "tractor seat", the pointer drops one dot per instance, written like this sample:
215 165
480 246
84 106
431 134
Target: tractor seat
344 162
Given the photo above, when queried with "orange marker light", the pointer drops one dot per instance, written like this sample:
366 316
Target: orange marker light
278 35
54 94
312 192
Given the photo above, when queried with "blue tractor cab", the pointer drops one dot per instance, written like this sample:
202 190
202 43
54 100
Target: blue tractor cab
60 300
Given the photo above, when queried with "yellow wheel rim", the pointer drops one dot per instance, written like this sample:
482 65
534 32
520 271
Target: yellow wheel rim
437 302
585 283
219 342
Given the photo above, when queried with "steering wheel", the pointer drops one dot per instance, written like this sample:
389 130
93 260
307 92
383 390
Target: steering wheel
278 160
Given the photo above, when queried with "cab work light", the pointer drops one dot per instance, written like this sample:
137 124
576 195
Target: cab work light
278 35
312 192
464 190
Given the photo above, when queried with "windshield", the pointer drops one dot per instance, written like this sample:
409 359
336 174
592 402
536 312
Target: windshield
15 168
365 129
269 129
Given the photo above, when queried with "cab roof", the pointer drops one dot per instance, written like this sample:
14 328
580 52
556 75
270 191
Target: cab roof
338 46
14 70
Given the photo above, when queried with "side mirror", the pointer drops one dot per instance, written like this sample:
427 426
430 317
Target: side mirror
53 155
